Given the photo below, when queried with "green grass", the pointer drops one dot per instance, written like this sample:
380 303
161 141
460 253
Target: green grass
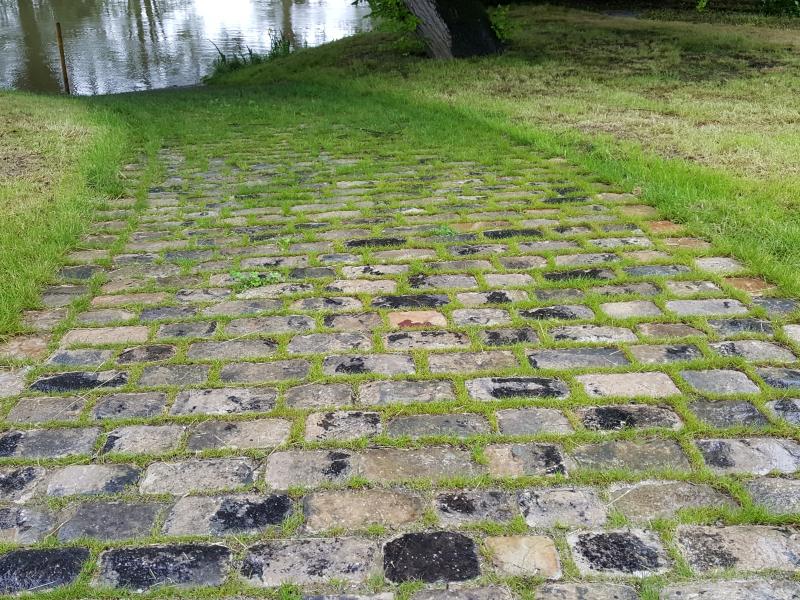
58 161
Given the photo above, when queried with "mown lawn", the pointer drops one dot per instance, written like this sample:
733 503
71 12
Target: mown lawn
699 118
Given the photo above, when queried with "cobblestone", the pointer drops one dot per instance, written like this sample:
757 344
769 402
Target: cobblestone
453 379
310 561
647 500
520 555
469 506
745 547
359 509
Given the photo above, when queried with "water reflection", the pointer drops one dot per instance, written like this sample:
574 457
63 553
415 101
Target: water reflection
124 45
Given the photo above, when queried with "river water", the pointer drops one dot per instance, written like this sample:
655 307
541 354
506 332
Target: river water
126 45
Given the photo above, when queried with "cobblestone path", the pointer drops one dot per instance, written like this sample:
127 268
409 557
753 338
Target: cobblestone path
505 383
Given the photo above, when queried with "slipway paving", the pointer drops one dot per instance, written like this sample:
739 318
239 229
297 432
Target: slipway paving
489 381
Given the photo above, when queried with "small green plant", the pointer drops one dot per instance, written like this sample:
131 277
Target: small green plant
284 243
289 592
444 230
391 15
254 279
280 44
502 23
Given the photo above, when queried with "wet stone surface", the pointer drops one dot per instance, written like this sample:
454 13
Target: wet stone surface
624 552
624 416
227 515
440 556
182 565
455 508
80 380
37 570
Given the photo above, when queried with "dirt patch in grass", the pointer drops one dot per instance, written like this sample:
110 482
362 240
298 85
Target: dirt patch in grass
19 164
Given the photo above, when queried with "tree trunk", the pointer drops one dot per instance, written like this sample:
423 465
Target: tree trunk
455 28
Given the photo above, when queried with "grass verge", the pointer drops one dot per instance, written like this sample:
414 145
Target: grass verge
58 160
